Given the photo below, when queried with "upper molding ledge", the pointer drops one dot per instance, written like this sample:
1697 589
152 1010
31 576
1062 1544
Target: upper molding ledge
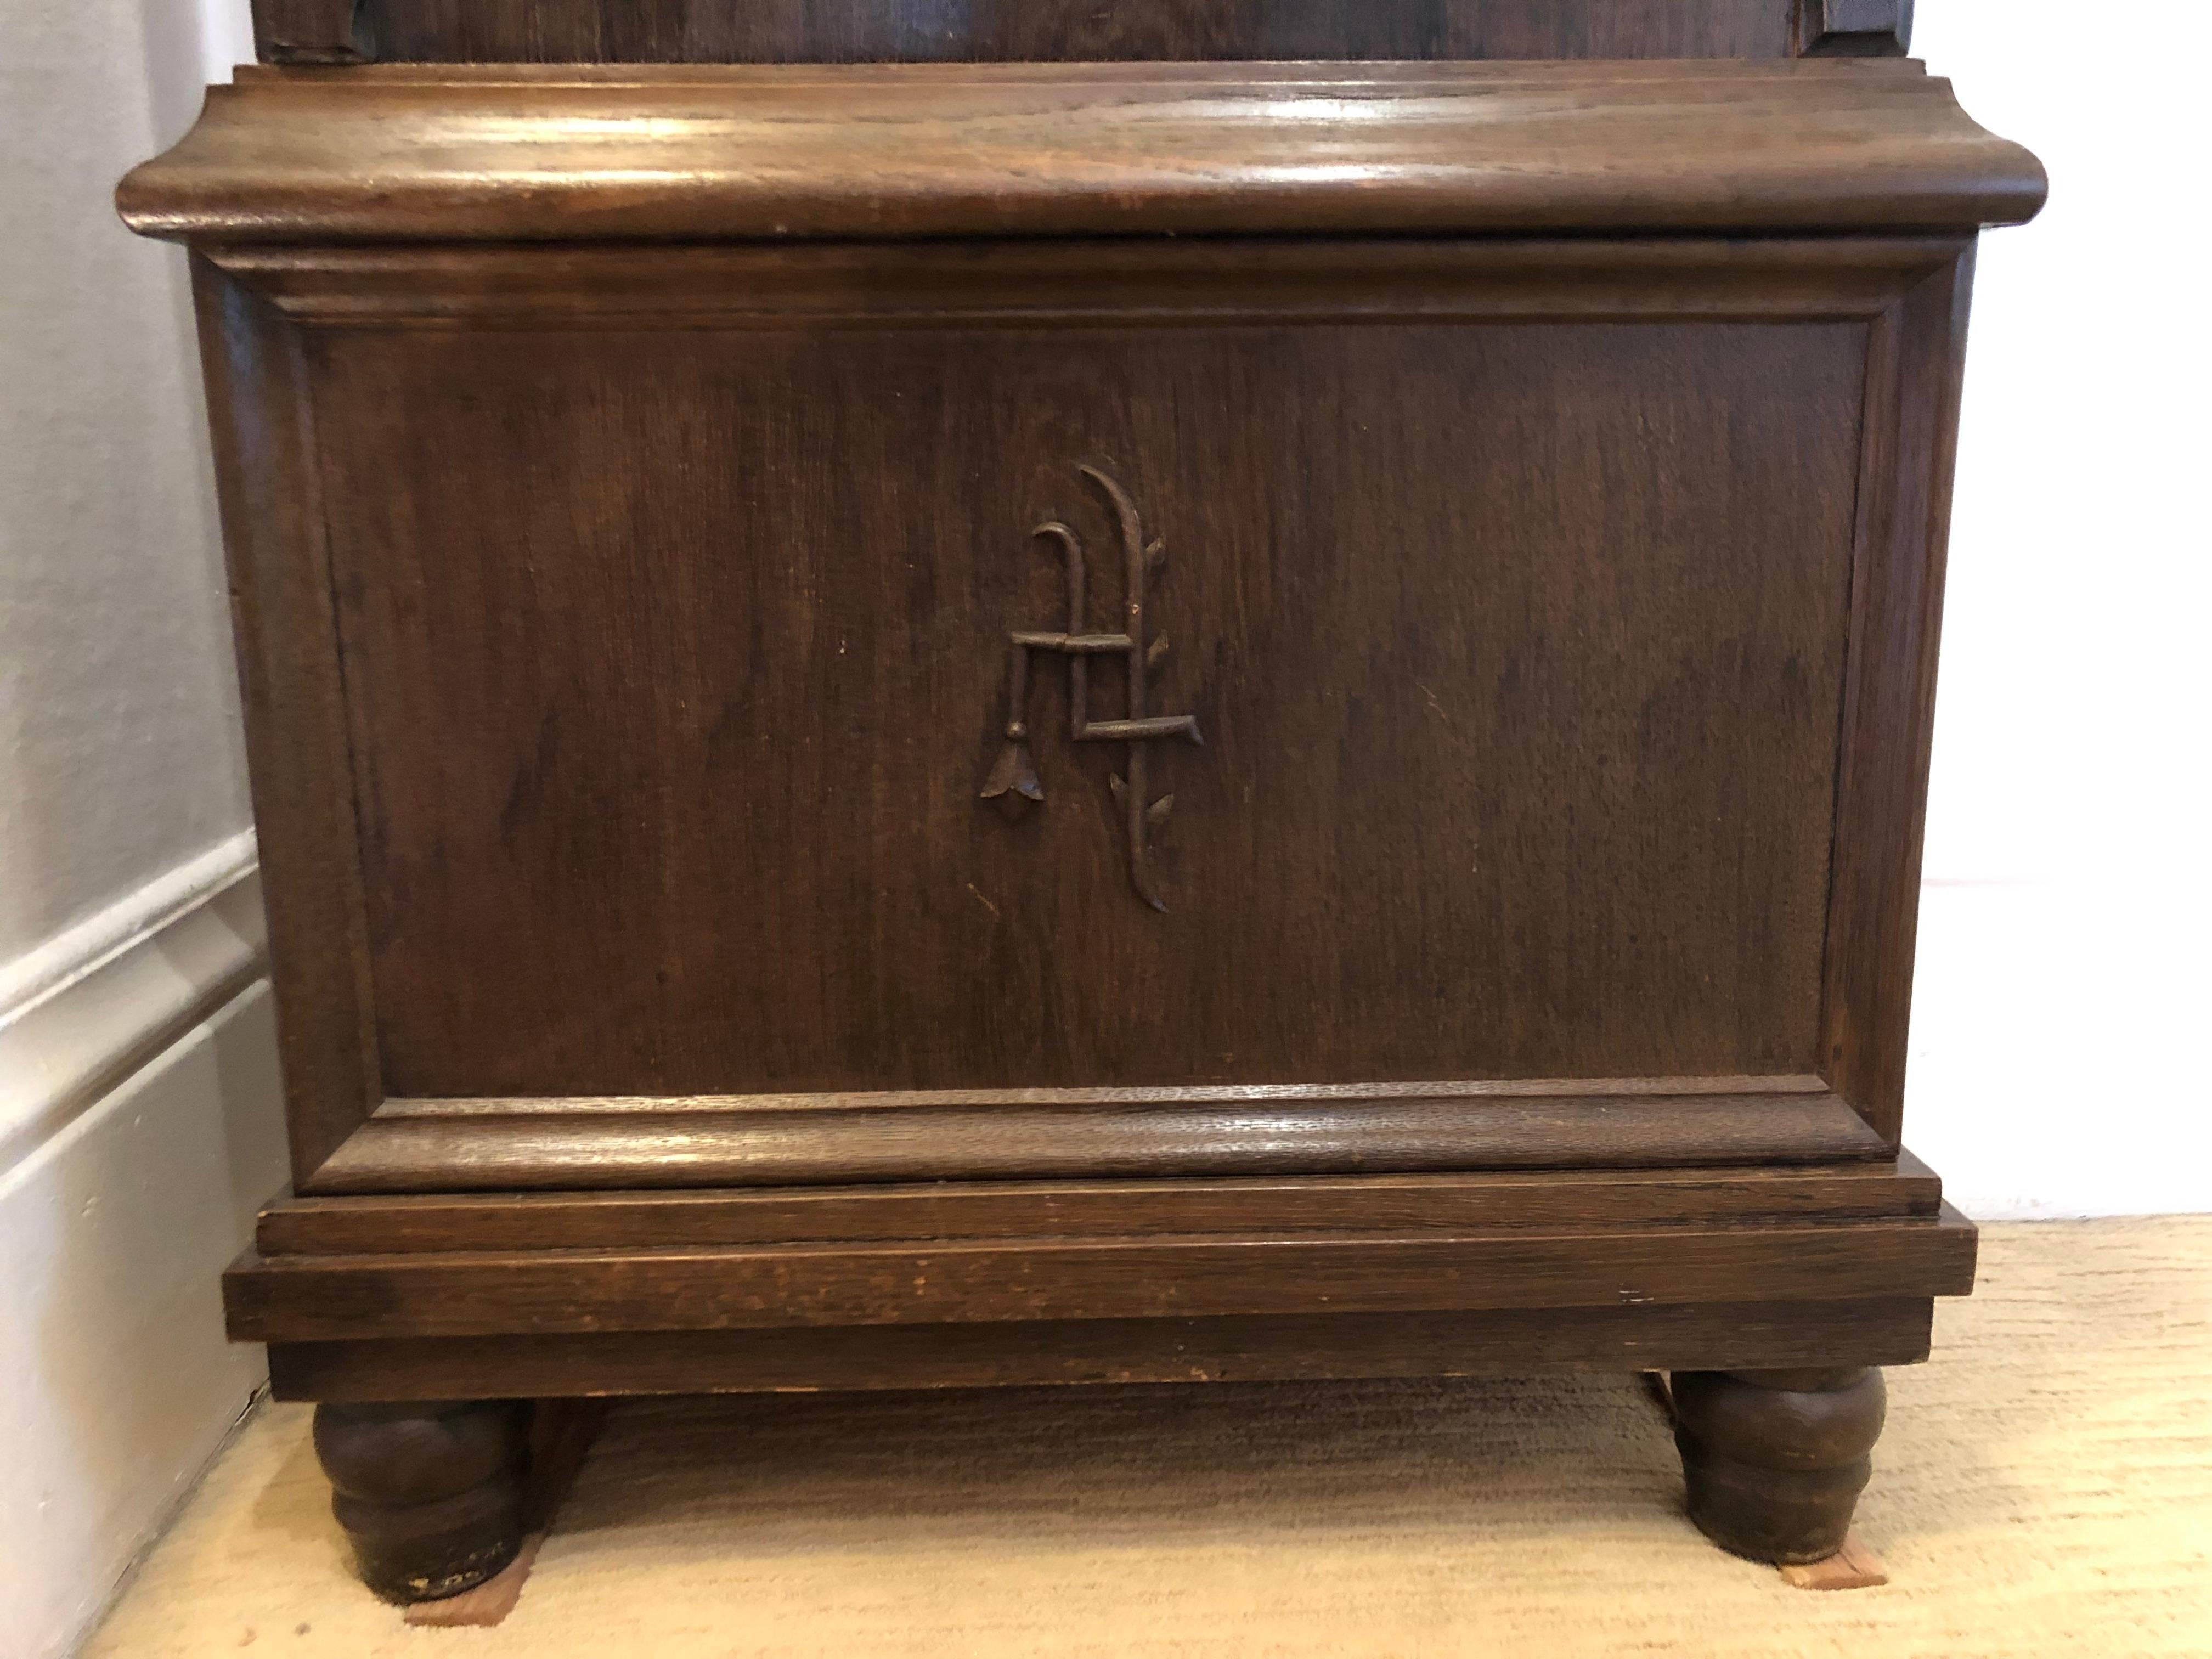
448 155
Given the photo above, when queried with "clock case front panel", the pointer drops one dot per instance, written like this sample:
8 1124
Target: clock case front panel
1516 651
1526 633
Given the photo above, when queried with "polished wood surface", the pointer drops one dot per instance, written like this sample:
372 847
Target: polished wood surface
616 1027
770 31
291 686
1167 282
1774 1460
311 1299
1916 365
933 724
1057 1209
523 1145
1898 298
660 740
1520 1341
977 150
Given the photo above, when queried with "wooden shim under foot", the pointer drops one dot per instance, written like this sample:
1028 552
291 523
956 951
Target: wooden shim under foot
1852 1567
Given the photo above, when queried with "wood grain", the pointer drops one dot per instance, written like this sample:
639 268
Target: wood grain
494 1148
507 1221
1538 795
1774 1460
310 1299
709 31
1854 1566
1508 1342
633 477
1109 149
1916 364
1159 281
631 481
268 481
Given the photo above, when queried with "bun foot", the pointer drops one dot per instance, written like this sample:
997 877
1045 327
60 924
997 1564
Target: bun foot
429 1492
1774 1462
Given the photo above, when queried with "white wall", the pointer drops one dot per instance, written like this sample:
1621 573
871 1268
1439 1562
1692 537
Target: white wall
2064 982
116 706
139 1119
113 1239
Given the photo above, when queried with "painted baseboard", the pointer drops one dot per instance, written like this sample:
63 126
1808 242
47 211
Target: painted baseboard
141 1127
91 1006
114 1235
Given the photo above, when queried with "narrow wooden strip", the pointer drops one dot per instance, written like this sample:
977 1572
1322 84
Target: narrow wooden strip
487 1603
1209 1094
1033 33
304 1298
269 479
506 1147
1064 284
1915 370
1530 1198
1508 1342
1852 1567
1266 72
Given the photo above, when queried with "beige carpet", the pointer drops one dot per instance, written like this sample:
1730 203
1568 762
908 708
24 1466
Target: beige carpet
2044 1487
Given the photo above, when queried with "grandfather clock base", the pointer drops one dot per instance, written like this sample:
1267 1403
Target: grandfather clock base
1768 1294
929 725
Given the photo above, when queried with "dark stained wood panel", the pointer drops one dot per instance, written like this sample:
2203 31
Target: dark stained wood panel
1517 650
285 635
947 1209
1509 1342
506 1145
331 1298
1044 282
843 31
1918 363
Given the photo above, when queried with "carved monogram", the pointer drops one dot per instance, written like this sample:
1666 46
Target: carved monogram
1013 778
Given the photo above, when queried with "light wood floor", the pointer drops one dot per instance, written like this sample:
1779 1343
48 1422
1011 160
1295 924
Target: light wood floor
2045 1488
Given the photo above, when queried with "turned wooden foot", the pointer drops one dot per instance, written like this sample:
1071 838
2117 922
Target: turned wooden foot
1774 1460
429 1492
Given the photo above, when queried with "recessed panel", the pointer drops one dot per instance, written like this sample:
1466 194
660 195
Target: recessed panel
678 663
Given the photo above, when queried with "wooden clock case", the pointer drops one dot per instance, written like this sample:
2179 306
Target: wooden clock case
936 723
